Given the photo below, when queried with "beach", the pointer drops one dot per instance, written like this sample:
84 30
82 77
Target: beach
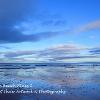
50 83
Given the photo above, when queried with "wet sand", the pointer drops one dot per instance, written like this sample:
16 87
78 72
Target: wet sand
81 83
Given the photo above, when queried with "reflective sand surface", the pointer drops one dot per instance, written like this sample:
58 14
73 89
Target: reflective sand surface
76 83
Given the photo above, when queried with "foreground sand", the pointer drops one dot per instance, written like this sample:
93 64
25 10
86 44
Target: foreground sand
75 83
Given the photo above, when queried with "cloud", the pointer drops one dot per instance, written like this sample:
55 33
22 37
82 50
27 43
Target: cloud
76 57
89 26
14 36
14 12
54 22
95 51
60 53
55 53
4 47
61 50
18 54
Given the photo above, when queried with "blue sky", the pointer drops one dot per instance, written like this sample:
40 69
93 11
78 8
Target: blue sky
49 30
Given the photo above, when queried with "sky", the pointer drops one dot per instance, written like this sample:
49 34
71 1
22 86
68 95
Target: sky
49 31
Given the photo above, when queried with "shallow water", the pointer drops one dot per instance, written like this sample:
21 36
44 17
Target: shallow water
78 83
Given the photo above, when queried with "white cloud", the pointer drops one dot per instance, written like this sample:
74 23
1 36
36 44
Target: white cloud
58 53
88 26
